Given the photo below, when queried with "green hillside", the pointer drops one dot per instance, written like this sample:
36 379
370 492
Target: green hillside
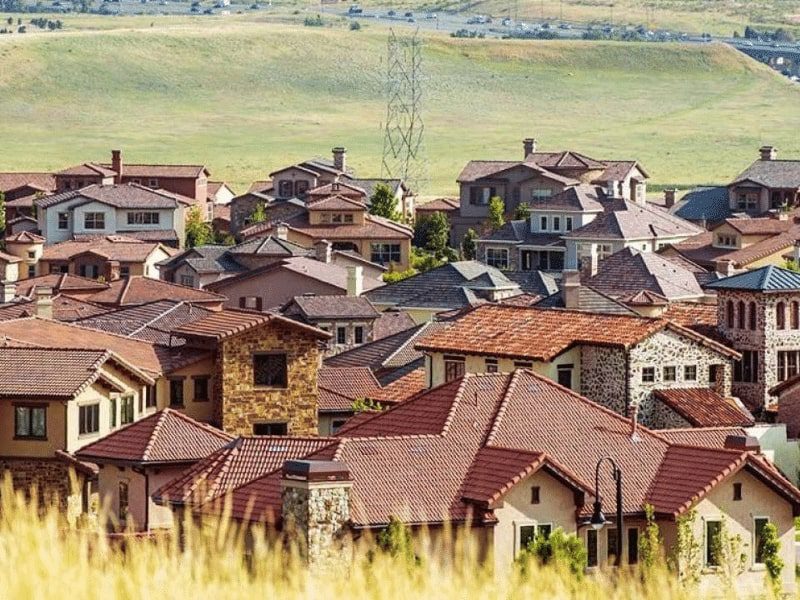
245 98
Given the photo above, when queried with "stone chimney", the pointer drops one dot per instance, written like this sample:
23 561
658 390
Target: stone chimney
44 302
340 158
112 270
571 290
743 442
528 147
768 152
116 165
282 231
355 281
315 509
725 268
669 197
322 251
9 292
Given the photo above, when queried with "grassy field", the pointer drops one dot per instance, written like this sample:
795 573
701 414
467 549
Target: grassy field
247 97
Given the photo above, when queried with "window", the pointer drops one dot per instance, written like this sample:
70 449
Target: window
358 334
535 494
348 218
730 314
187 280
751 316
270 370
200 388
713 530
541 194
63 220
737 491
251 302
481 195
497 257
94 220
568 227
89 419
491 365
780 315
124 271
747 200
285 189
523 364
176 392
591 548
30 422
126 410
453 367
336 218
794 314
543 223
556 223
385 253
337 424
648 374
112 413
788 361
565 375
604 251
746 370
611 545
530 531
153 183
143 218
31 270
690 373
341 335
151 396
670 373
726 241
122 501
758 543
300 188
740 316
271 429
633 545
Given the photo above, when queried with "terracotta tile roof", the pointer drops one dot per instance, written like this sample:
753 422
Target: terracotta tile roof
374 227
241 460
89 170
31 372
11 181
120 196
112 247
703 407
167 436
439 205
617 170
166 171
692 314
25 237
402 388
65 308
334 307
342 188
141 290
9 258
339 388
223 324
59 283
221 212
336 202
523 300
264 185
710 437
644 298
759 226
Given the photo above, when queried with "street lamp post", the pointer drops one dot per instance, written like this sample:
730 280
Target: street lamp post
598 519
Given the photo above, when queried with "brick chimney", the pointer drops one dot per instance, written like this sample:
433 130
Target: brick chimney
282 231
322 251
116 165
44 302
528 147
725 268
768 152
742 442
355 281
571 290
340 158
9 292
315 509
669 197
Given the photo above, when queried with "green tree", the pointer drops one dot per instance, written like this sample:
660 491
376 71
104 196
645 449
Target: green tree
468 246
687 553
497 213
2 212
792 265
395 540
561 550
383 202
365 404
259 214
650 543
395 276
728 553
770 553
522 213
433 233
198 232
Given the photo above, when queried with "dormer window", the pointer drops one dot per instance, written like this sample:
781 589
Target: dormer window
747 201
541 194
726 241
285 189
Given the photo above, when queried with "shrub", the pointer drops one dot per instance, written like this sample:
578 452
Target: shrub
560 550
355 26
313 21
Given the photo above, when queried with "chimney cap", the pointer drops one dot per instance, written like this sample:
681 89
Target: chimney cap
746 443
339 149
316 470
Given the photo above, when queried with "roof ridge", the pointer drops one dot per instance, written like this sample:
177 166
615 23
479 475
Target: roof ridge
154 319
161 417
501 409
456 403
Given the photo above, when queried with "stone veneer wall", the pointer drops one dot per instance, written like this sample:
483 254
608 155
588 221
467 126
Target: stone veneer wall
767 339
240 404
315 516
603 376
663 417
50 478
667 348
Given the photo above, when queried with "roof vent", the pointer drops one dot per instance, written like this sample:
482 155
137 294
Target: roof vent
634 412
745 443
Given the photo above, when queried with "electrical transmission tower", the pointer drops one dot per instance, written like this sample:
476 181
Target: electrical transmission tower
403 148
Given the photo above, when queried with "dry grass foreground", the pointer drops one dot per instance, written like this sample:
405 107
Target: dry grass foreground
43 557
245 98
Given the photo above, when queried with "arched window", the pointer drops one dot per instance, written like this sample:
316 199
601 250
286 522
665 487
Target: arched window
740 316
751 316
780 315
730 315
795 315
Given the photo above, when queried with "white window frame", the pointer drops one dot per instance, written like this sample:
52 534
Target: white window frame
706 521
556 223
518 525
543 223
501 251
757 565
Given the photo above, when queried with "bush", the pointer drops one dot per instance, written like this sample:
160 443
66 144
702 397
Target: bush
395 276
355 26
563 551
313 21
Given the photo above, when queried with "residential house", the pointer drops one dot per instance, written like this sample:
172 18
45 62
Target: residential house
128 209
140 457
536 178
273 285
137 290
111 257
9 267
619 361
58 283
189 181
53 401
339 390
219 192
28 247
766 184
475 460
455 286
19 191
44 303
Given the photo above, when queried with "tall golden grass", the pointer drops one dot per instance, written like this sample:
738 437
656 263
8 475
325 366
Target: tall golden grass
42 557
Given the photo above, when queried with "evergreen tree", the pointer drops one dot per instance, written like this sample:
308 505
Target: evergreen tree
497 211
382 203
468 245
259 214
198 232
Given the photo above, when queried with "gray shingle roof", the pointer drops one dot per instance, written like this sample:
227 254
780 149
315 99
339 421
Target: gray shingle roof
765 279
270 246
772 173
120 196
335 307
709 203
628 220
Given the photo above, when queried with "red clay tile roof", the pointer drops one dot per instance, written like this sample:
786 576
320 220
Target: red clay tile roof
9 258
59 283
242 460
374 227
166 171
65 308
710 437
167 436
543 334
703 407
229 322
336 202
690 314
128 195
25 237
113 247
403 388
348 384
440 205
89 170
11 181
140 290
761 226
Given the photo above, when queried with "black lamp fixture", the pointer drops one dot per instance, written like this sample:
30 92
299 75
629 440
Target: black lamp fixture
598 520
